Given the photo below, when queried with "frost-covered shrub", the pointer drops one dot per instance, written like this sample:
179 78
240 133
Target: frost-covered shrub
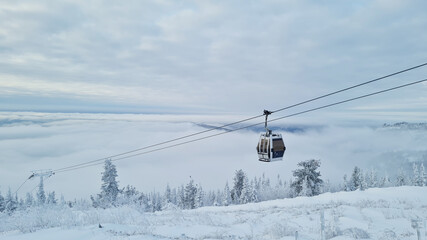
356 233
280 230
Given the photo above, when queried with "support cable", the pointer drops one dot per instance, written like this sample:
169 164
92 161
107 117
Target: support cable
252 125
241 121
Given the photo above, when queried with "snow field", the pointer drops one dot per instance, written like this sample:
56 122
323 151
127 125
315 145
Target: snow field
377 213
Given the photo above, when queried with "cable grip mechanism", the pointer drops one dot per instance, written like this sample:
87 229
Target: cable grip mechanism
267 131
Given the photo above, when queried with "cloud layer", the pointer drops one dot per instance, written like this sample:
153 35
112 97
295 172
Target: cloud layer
32 141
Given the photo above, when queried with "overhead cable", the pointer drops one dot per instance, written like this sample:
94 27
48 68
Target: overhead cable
241 121
252 125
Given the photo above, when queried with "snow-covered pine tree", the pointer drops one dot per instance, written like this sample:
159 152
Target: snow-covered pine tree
266 192
21 204
190 195
2 203
238 186
10 203
363 184
326 186
41 196
257 184
279 190
245 196
385 181
306 188
200 195
401 178
423 176
254 193
143 202
416 180
372 179
291 189
210 198
157 203
181 197
218 199
110 186
128 195
309 174
168 195
226 197
346 184
29 200
62 201
356 179
174 196
51 198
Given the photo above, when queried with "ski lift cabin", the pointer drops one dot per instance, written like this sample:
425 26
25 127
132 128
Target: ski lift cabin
270 145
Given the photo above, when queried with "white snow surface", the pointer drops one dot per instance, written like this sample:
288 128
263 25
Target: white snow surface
377 213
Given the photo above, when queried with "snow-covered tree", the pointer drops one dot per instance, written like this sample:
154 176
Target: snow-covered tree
226 197
29 200
416 179
423 176
308 177
356 179
346 186
254 193
168 195
401 178
385 181
51 198
156 202
41 196
279 189
10 203
2 203
218 199
266 192
190 195
181 197
306 189
110 186
199 196
372 178
245 195
363 184
62 201
238 185
326 186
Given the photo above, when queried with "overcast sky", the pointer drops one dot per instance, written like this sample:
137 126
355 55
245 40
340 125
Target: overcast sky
206 56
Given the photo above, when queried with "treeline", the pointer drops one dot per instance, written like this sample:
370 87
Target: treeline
243 190
360 181
306 181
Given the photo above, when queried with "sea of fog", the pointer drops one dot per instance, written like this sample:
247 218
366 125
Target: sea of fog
32 141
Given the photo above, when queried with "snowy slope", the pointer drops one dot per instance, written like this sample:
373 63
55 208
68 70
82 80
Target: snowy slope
372 214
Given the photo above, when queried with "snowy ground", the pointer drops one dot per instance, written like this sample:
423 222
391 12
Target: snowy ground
372 214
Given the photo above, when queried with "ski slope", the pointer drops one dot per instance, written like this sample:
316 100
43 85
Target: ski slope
384 213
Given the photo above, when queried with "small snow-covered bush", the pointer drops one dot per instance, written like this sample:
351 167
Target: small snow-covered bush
356 233
280 230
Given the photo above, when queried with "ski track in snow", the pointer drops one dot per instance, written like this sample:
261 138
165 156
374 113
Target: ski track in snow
384 213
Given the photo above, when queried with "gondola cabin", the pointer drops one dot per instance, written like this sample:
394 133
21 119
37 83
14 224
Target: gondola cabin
270 147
